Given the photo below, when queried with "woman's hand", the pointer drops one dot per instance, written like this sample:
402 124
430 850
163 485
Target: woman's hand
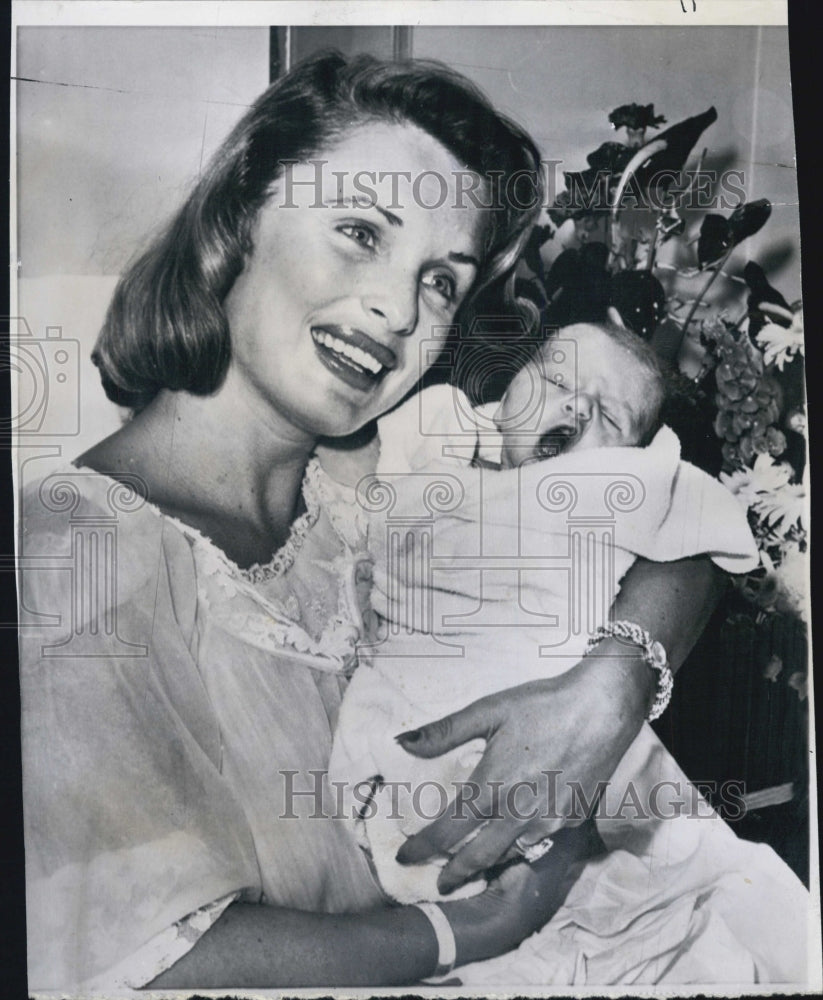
549 743
562 736
520 900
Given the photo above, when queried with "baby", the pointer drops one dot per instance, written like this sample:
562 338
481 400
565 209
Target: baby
493 566
589 387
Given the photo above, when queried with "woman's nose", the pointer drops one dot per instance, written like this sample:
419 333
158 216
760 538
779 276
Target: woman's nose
396 304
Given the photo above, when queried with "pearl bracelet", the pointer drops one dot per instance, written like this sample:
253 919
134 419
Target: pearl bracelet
446 944
653 653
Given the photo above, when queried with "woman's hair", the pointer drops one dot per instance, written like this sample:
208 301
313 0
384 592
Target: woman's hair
166 328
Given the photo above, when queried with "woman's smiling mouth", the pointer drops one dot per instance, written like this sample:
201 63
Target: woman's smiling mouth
352 355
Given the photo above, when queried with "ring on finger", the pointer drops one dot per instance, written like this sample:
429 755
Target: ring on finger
533 852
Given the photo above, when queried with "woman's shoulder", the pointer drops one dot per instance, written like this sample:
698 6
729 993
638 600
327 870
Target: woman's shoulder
61 501
76 496
76 520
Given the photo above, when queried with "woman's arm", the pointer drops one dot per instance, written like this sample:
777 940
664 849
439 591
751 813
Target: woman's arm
672 601
576 726
263 946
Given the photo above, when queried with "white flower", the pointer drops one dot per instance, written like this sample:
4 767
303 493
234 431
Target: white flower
765 476
785 506
766 490
779 343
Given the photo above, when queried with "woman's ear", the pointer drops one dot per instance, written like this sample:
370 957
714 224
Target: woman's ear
614 317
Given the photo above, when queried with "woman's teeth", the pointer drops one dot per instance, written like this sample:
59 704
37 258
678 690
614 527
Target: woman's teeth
349 352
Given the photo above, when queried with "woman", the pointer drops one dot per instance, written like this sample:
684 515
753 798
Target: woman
171 840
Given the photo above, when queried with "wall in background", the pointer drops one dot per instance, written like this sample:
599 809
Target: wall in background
114 124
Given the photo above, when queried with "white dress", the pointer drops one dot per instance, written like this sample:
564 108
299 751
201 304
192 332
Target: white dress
175 711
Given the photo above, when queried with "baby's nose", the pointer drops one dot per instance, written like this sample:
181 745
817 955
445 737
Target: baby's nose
580 406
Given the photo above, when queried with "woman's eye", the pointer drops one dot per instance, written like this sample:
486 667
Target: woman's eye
444 284
362 235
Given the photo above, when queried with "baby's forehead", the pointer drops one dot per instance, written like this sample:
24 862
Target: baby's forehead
554 352
578 333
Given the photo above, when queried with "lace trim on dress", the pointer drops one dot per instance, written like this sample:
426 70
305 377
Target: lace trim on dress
275 627
340 503
162 951
284 557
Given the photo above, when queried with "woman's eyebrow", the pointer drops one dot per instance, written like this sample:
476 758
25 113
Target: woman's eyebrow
394 220
463 258
390 217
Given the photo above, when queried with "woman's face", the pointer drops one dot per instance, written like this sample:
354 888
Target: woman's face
361 258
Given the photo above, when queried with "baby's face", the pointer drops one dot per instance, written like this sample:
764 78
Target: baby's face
580 390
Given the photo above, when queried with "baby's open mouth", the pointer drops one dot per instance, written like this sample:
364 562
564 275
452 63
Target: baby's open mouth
352 354
556 440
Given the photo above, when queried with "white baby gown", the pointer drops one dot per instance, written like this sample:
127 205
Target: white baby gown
487 579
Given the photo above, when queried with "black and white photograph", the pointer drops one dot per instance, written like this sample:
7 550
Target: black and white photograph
411 474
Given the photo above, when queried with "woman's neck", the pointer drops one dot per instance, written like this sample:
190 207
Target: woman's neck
215 464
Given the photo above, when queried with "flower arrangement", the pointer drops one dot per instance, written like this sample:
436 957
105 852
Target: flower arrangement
735 344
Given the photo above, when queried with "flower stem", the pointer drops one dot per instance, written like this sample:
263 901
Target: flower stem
701 296
653 247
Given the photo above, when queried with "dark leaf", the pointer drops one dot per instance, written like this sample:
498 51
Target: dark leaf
761 291
639 298
578 286
565 269
748 219
714 240
594 255
610 156
759 288
680 140
718 235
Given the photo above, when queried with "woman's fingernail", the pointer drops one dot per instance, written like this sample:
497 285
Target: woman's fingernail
402 856
411 737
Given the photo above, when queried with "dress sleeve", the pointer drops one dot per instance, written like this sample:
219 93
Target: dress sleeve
129 824
162 951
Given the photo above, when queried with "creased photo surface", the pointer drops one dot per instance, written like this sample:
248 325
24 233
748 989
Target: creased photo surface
412 488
